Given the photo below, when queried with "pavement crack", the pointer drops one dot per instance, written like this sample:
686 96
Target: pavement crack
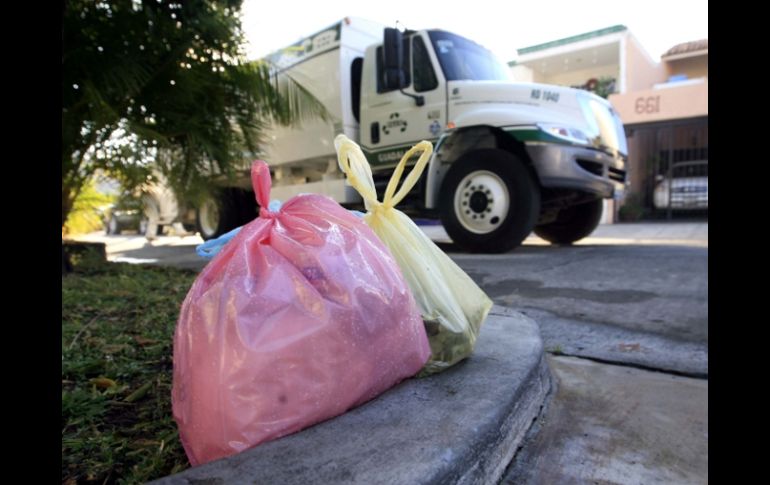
620 363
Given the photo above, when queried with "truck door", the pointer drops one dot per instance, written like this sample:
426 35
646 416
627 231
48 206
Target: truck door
391 121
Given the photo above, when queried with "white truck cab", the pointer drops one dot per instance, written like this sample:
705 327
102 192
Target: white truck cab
509 157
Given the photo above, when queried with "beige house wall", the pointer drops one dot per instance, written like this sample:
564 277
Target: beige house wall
641 71
675 102
634 167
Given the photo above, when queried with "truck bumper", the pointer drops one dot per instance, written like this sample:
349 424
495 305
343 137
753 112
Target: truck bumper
569 167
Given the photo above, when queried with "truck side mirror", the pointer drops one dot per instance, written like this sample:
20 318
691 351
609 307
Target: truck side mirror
393 59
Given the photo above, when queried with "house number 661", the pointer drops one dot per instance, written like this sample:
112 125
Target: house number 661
650 104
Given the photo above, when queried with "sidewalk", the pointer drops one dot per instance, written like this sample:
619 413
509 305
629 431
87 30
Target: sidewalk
644 233
615 424
655 231
179 250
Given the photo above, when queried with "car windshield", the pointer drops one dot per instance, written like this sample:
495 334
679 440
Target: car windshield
462 59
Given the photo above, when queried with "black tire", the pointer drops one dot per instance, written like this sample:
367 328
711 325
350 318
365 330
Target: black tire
572 223
113 226
218 215
142 228
248 209
499 229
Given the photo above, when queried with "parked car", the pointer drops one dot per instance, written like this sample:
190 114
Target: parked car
125 214
687 193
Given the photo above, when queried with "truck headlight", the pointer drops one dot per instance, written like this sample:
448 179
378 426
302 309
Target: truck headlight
567 133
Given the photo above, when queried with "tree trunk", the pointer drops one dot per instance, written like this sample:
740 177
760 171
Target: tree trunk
66 265
66 204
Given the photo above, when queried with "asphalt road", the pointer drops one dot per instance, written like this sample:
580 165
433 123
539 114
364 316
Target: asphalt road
640 304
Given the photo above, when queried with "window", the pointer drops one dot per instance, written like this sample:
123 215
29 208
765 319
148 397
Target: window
356 68
462 59
422 69
381 69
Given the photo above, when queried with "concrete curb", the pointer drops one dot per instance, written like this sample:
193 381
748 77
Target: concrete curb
459 427
614 345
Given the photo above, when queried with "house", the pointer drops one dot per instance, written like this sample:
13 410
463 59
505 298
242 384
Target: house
663 104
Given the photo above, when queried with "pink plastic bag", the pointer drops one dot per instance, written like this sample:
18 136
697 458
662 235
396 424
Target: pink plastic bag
303 315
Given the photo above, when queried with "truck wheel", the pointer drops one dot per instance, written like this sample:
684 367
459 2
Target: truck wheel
142 230
489 201
216 216
572 223
113 226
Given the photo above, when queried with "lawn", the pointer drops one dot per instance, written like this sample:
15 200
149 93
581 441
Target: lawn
117 328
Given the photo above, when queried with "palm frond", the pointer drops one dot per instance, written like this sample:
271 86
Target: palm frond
302 105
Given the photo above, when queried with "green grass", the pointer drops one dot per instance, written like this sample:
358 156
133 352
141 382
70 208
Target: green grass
556 350
117 328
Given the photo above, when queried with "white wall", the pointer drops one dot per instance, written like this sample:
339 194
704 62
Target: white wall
523 74
579 77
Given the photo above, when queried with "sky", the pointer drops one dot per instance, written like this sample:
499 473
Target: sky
499 25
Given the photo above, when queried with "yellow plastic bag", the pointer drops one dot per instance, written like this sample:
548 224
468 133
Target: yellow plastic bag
453 307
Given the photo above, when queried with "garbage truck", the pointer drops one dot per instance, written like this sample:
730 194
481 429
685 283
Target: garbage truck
509 157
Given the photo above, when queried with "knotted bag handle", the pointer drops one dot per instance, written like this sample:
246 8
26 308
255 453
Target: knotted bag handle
260 180
391 200
353 163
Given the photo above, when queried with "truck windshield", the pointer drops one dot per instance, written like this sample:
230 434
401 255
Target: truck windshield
462 59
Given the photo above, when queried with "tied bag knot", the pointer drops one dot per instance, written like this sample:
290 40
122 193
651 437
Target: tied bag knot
260 180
